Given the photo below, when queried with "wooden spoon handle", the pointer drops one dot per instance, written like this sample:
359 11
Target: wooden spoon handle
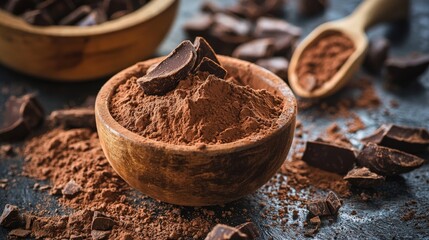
371 12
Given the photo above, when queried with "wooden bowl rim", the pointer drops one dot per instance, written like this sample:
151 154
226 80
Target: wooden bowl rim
285 120
143 14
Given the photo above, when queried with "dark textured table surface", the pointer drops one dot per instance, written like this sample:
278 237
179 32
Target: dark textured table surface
376 219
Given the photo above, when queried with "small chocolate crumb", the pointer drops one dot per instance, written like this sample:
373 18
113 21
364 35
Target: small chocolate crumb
403 69
71 189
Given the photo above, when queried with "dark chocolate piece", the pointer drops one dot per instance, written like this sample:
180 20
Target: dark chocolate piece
73 118
208 65
404 69
273 27
319 208
315 224
224 232
232 25
203 50
119 14
102 223
312 7
77 15
113 6
38 18
255 50
19 6
167 74
253 9
250 229
97 16
277 65
71 189
334 203
56 9
407 139
387 161
198 26
10 218
211 7
283 46
20 233
377 53
100 235
364 178
329 157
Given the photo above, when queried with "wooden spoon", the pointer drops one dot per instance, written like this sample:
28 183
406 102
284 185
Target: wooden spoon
366 15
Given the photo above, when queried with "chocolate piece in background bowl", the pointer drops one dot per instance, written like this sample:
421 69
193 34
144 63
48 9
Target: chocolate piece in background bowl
255 49
56 9
407 139
38 18
19 6
378 50
387 161
208 65
96 17
312 7
277 65
113 6
167 74
362 177
77 15
402 70
329 157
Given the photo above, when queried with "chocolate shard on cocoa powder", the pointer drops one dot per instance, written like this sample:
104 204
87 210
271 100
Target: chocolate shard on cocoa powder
277 65
362 177
312 7
203 50
334 203
199 25
319 208
102 223
224 232
255 50
73 118
329 157
250 229
167 74
77 15
208 65
20 233
387 161
407 139
378 50
273 27
10 218
404 69
100 235
71 189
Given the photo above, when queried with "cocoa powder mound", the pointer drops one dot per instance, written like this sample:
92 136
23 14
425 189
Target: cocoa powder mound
202 109
321 60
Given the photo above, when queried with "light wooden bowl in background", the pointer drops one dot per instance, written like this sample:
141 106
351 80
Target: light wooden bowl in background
185 175
70 53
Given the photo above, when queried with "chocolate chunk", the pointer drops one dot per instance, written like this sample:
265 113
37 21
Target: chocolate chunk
283 46
208 65
77 15
334 203
315 224
329 157
10 217
38 18
73 118
56 9
21 233
224 232
404 69
376 136
119 14
250 229
277 65
364 178
100 235
319 208
387 161
232 25
211 7
203 50
113 6
198 26
253 9
255 50
97 16
71 189
312 7
273 27
102 223
19 6
169 71
377 53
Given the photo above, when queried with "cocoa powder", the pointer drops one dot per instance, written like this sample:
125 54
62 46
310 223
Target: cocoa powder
321 60
201 109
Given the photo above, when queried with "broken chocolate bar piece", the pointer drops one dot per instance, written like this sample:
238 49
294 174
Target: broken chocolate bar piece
404 69
73 118
387 161
364 178
167 74
250 229
334 203
329 157
198 26
56 9
19 6
224 232
255 50
277 65
211 7
97 16
407 139
10 217
38 18
77 15
208 65
377 53
232 25
319 208
273 27
312 7
203 50
100 235
113 6
102 223
253 9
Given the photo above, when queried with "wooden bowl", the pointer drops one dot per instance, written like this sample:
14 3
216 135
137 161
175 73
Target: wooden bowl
70 53
185 175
